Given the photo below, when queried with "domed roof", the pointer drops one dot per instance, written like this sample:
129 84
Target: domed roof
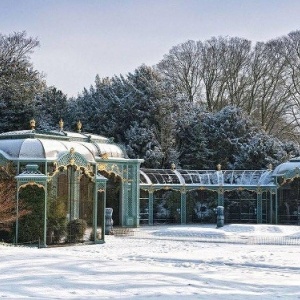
46 145
285 168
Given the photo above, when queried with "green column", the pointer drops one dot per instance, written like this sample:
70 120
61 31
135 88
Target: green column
259 207
276 206
183 207
17 212
220 197
271 205
95 210
44 244
150 208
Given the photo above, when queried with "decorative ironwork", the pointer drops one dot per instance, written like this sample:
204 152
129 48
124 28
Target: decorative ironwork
110 168
104 156
32 183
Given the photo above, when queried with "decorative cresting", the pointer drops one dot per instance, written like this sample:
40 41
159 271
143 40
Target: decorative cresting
72 158
112 168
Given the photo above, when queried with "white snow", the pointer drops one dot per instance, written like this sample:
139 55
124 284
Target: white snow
161 262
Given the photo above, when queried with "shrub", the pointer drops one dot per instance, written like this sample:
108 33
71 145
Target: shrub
76 229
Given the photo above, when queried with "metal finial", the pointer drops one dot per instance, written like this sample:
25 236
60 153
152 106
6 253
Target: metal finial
32 124
79 126
219 167
61 125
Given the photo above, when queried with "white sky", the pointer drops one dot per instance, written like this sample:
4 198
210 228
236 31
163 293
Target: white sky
82 38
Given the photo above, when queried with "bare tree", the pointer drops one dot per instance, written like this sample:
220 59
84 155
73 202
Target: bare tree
290 50
225 71
181 68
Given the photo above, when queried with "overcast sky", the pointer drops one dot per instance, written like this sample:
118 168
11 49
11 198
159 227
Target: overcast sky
82 38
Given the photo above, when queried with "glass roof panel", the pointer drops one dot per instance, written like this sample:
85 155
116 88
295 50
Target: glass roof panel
201 177
207 177
161 176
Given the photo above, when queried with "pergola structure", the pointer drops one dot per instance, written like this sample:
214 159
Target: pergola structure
72 166
76 171
219 181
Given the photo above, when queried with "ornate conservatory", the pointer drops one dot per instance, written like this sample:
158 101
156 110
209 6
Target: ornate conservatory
68 176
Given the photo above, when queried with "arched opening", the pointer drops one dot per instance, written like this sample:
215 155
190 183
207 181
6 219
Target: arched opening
144 207
201 205
114 195
289 202
70 206
166 207
240 206
31 226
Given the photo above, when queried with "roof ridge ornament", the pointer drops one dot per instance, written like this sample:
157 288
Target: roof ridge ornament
61 124
79 126
32 124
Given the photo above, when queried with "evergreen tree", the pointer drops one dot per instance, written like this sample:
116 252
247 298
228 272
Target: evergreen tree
50 107
19 82
226 131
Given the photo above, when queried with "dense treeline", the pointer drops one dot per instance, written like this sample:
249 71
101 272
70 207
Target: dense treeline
223 100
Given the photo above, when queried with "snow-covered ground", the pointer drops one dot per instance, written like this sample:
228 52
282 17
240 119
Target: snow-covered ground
161 262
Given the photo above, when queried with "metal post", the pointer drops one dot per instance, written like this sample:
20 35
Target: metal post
220 216
17 219
276 207
271 206
259 208
183 207
95 209
150 208
45 218
220 197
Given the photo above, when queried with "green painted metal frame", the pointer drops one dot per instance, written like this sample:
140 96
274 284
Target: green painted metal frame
128 171
219 189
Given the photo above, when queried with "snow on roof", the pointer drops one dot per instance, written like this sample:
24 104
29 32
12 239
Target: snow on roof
206 177
38 145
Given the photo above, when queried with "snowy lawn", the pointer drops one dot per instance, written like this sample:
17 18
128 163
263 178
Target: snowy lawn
160 262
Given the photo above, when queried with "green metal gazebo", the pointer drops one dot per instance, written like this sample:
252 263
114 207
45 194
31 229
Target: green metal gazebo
72 166
77 174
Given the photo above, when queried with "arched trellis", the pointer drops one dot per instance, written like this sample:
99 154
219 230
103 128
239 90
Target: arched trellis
284 176
128 171
29 177
72 158
82 166
219 189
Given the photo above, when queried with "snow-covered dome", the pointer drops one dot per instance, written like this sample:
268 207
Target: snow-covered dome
47 145
293 165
